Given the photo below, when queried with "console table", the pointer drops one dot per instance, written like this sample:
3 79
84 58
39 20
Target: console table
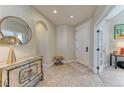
116 56
27 72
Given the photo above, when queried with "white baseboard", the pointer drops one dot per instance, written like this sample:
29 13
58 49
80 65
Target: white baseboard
52 63
68 61
85 65
48 65
65 61
91 68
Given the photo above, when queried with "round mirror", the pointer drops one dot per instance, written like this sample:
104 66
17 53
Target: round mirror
14 31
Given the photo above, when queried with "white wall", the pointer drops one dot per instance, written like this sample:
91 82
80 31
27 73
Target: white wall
52 43
65 42
31 16
45 42
42 41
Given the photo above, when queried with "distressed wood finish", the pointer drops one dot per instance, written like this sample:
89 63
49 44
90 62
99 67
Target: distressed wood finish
0 77
21 74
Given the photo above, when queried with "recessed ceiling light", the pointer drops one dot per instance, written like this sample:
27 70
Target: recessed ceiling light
72 17
55 11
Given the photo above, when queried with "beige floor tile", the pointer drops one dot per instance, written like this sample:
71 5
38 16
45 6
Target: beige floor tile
70 75
77 75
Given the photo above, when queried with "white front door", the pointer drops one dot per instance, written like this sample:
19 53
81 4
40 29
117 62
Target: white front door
82 46
100 50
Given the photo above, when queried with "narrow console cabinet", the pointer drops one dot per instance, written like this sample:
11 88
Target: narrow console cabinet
24 73
0 77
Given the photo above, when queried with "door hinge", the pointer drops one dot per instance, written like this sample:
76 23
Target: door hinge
98 49
97 67
98 31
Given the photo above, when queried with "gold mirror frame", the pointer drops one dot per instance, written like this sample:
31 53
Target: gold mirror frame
5 42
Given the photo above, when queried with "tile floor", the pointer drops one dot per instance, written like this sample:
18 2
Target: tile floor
112 77
77 75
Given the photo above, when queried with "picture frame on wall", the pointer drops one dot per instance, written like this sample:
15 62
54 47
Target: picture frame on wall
119 31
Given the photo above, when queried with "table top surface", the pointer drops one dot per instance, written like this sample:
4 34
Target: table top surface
119 55
21 61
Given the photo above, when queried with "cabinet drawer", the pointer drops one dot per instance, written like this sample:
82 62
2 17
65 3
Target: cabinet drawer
19 76
35 69
24 74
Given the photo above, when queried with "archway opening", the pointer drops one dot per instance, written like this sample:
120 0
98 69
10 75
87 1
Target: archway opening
42 40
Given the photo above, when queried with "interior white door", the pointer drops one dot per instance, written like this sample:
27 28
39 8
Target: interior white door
82 45
100 50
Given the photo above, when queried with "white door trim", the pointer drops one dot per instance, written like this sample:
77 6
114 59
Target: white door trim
100 19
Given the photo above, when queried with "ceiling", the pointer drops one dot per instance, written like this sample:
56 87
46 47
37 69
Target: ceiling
80 13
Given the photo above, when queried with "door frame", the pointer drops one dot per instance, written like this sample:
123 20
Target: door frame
98 50
97 69
96 24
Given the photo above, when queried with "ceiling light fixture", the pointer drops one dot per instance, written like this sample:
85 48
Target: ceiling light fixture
72 17
55 11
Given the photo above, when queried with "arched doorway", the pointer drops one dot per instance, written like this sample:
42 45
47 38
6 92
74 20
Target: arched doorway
42 40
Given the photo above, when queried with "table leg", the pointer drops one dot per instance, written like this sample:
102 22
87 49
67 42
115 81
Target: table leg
110 59
115 62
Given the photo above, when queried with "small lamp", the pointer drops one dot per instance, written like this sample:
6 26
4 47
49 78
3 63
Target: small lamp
11 56
121 46
11 41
